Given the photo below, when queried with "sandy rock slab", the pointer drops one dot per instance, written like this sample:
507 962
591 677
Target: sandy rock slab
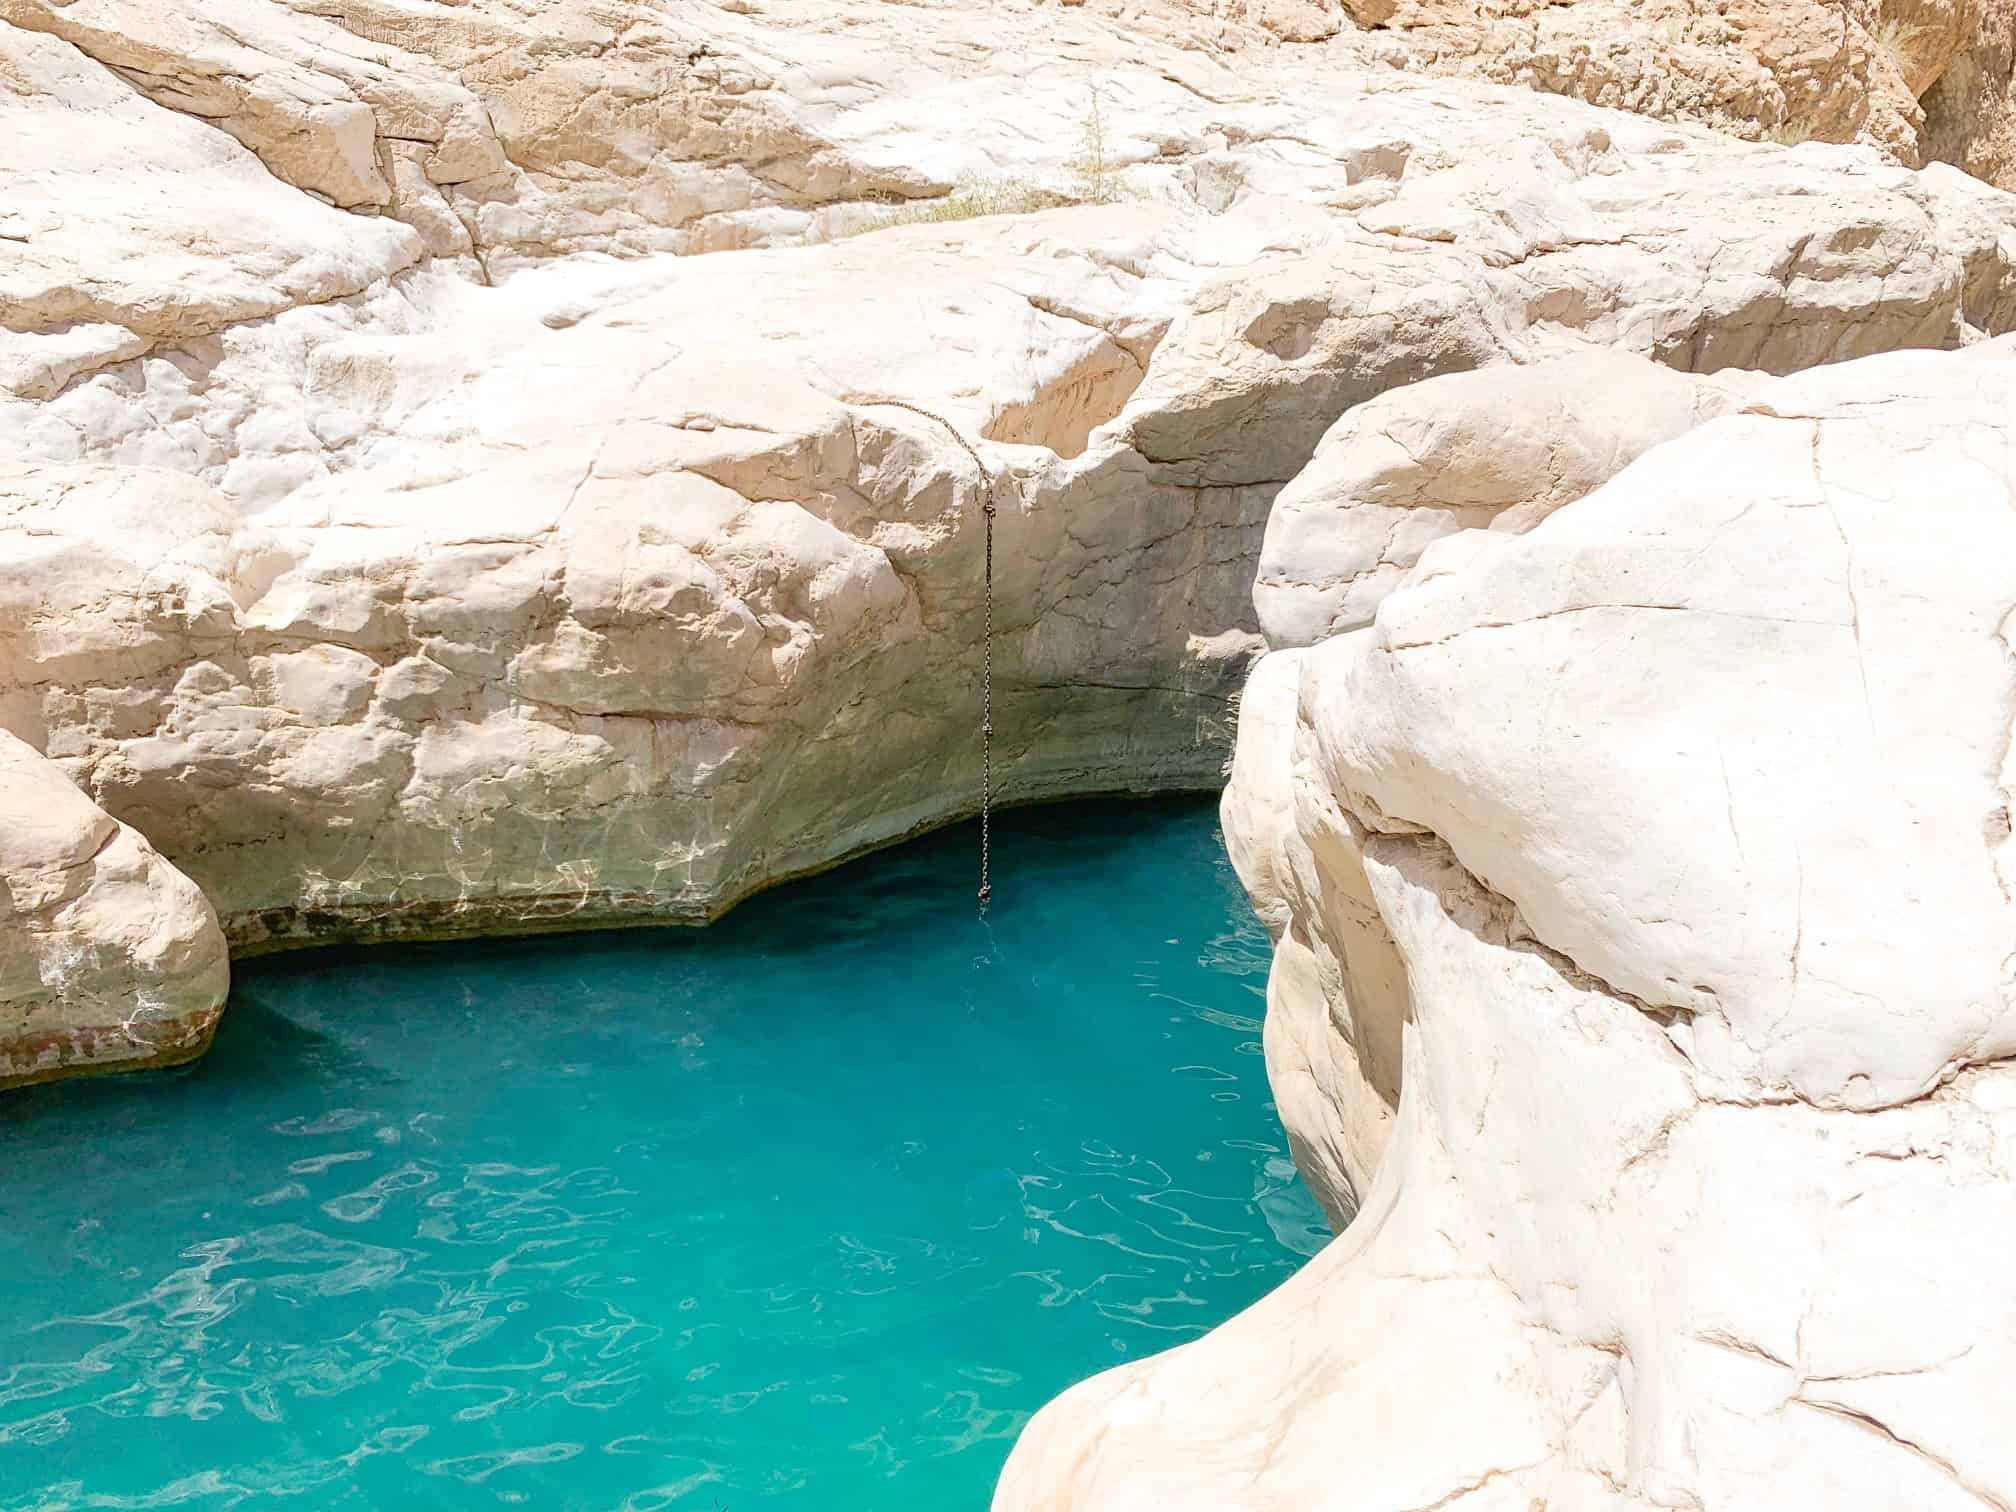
110 959
1642 889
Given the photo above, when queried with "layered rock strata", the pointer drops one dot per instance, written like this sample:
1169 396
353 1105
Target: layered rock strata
619 589
503 133
403 540
1970 110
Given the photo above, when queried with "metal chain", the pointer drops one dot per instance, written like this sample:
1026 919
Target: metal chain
986 644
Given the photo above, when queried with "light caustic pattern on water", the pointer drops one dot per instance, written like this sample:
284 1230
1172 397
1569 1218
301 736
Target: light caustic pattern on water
807 1210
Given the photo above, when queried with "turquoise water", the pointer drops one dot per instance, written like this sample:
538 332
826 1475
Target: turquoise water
808 1210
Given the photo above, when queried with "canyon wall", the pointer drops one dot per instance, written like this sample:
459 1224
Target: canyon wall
495 467
1642 895
387 600
405 539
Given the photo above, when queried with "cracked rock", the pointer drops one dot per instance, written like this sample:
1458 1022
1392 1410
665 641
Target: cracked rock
1643 978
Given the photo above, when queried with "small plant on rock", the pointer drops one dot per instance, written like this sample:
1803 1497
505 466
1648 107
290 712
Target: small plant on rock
1901 41
977 197
1095 180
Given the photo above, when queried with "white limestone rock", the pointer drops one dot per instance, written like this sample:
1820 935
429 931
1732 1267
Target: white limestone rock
110 959
489 137
1496 449
415 586
617 636
123 225
616 590
1686 820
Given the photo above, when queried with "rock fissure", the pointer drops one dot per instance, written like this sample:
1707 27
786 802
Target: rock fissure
1882 1430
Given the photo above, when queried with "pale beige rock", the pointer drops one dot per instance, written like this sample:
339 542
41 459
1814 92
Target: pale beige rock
1837 72
502 137
510 134
615 636
1970 109
616 592
1686 817
1337 992
110 959
420 567
1922 39
123 225
1925 80
1496 449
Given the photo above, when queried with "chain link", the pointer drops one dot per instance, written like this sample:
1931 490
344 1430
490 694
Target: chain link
986 645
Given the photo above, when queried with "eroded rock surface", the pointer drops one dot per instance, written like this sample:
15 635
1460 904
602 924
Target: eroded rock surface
1920 79
110 959
1970 110
619 589
1642 889
615 631
402 538
1796 69
1496 449
189 165
123 225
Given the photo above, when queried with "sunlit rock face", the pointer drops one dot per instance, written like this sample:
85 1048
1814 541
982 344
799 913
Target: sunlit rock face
110 959
612 633
1923 80
502 133
1970 110
1496 449
1642 894
1828 70
392 586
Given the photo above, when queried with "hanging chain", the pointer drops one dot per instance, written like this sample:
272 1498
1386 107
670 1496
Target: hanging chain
986 644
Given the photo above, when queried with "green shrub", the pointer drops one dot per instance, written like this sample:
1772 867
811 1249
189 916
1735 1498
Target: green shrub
1095 180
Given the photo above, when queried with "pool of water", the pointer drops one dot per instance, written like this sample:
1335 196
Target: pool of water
807 1210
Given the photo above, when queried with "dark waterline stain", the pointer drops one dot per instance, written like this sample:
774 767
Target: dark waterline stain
809 1209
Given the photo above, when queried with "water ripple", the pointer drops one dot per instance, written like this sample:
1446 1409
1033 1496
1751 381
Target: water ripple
808 1211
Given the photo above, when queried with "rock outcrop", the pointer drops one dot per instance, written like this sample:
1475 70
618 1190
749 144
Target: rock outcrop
110 959
1642 892
1793 69
124 226
1500 448
404 535
1922 80
1970 110
489 135
620 589
401 553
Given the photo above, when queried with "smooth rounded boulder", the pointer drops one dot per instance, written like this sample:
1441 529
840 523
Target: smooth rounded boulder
110 959
1683 1134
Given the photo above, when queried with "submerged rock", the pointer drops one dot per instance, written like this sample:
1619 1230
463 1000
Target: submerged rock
110 959
1642 894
